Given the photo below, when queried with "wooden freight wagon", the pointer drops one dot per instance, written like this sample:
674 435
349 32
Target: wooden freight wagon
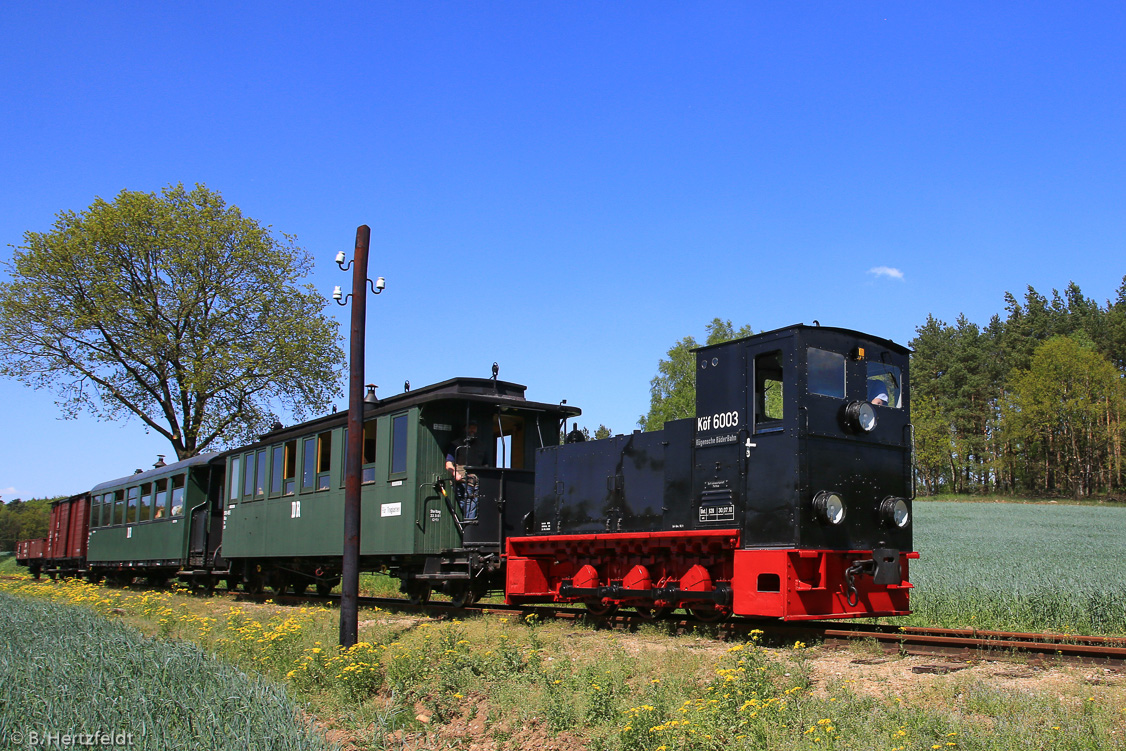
30 553
67 535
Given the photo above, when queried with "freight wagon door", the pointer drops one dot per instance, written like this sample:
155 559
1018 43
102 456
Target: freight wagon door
770 451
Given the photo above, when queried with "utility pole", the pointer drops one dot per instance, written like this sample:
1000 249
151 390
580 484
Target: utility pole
354 450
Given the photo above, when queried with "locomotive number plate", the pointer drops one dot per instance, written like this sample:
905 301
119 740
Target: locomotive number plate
717 513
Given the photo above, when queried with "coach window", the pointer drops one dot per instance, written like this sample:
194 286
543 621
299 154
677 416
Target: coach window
825 372
369 451
248 476
236 462
144 513
308 463
96 512
161 497
260 475
368 462
178 495
324 460
398 444
289 477
119 507
131 496
277 467
768 392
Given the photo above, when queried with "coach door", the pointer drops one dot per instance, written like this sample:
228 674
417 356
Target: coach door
770 450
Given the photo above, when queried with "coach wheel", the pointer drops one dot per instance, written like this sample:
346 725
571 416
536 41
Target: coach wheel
600 609
253 584
462 595
52 576
653 613
280 584
300 587
36 573
708 613
324 589
232 583
418 593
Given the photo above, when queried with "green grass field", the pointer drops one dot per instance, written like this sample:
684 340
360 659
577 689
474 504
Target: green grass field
1020 566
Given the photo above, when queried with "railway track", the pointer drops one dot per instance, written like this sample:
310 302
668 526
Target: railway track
959 644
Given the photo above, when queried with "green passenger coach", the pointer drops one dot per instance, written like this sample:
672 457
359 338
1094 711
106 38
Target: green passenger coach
139 525
432 524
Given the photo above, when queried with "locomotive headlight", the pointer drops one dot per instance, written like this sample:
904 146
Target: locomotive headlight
861 416
829 507
895 512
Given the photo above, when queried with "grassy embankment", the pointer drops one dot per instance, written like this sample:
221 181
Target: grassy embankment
416 682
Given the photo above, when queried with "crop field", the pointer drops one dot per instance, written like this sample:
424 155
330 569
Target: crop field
1020 567
69 671
8 564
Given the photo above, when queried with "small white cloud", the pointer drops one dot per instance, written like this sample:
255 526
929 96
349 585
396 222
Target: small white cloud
7 491
887 271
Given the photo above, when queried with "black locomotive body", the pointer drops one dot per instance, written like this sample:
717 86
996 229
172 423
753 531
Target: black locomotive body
788 495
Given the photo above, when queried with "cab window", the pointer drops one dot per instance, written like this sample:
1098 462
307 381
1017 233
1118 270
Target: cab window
885 385
768 392
825 372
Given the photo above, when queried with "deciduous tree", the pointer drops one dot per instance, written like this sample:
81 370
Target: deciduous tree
174 308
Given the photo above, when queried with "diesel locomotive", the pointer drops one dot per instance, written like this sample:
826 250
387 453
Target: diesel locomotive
788 495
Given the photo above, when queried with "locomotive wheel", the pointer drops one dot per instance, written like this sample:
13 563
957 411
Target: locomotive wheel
418 593
654 613
708 613
599 609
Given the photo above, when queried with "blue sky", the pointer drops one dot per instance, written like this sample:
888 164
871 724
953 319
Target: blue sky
569 188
